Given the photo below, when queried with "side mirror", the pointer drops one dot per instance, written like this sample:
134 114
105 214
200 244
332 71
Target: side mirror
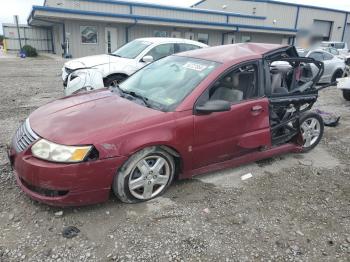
148 59
212 106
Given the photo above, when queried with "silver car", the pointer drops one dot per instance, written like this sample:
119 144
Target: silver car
334 67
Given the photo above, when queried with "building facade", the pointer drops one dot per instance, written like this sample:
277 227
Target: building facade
100 26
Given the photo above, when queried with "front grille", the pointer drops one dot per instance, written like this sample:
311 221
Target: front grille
24 137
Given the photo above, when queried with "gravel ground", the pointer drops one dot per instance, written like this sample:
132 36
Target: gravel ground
295 208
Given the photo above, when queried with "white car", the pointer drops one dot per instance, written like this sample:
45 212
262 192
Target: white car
94 72
334 67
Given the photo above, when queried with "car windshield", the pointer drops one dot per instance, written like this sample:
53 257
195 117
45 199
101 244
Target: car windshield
166 82
132 49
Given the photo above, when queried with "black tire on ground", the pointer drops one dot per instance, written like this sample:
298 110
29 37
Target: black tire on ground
121 182
346 95
114 79
306 119
337 74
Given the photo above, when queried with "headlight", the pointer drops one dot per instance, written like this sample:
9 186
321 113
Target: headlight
59 153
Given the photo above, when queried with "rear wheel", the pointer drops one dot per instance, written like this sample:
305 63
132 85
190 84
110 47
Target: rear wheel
114 80
346 95
311 128
337 74
146 175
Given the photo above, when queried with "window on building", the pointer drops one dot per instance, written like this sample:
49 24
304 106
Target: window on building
158 33
203 38
88 34
161 51
246 38
189 35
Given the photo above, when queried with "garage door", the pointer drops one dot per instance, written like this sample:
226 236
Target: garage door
322 30
347 34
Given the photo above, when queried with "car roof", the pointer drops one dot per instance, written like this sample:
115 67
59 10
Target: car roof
163 40
233 53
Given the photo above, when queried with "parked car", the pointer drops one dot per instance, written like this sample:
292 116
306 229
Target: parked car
334 67
85 73
342 47
181 116
336 53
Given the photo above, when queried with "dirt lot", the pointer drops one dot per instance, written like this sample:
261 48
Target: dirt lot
295 208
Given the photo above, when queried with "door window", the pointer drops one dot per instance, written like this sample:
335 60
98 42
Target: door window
339 45
161 51
317 56
327 56
184 47
237 85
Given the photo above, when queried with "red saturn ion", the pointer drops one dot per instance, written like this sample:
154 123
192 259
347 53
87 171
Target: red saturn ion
181 116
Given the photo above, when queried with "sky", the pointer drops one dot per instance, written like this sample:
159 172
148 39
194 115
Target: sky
23 7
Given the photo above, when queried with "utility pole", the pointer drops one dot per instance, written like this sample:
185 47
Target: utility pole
19 35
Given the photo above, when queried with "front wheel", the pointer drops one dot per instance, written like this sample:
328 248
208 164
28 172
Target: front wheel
346 95
311 128
114 80
146 175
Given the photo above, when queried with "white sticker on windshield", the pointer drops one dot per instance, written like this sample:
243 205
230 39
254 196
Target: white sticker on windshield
194 66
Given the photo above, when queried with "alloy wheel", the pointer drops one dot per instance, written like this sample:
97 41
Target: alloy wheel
310 130
149 177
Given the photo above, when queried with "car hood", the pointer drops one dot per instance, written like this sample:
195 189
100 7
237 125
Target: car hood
91 118
96 60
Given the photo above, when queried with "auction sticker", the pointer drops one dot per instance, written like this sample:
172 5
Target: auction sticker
195 66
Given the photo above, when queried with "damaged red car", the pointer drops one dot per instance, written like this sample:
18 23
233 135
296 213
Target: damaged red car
181 116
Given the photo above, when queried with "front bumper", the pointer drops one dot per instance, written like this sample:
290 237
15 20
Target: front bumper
64 184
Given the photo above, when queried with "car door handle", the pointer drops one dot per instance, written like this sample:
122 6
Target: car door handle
257 108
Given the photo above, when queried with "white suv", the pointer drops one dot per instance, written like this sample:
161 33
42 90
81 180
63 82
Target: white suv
94 72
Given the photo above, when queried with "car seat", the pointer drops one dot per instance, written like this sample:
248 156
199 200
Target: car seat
227 89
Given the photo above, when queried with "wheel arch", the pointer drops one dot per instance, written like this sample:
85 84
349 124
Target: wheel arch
179 162
114 74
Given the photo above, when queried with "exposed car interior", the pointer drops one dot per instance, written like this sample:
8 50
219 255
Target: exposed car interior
291 88
237 85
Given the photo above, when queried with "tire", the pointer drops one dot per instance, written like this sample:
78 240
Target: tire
114 79
311 129
337 74
346 95
138 179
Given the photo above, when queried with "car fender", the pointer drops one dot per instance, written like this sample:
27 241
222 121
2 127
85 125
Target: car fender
84 80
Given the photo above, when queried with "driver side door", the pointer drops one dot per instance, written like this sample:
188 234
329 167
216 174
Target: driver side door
244 129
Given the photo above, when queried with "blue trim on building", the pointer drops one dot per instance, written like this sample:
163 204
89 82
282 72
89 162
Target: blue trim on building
161 19
175 8
300 5
345 25
297 18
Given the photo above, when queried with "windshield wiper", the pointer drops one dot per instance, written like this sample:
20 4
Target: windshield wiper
142 98
114 55
122 93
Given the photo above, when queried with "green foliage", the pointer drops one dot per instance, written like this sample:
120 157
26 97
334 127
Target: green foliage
29 51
